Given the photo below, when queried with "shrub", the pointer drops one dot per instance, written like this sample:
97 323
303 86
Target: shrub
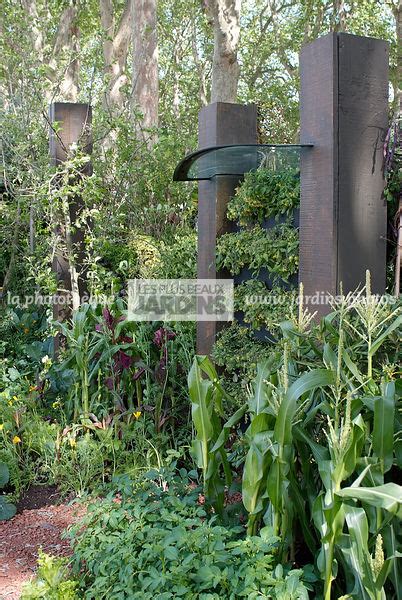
159 542
179 257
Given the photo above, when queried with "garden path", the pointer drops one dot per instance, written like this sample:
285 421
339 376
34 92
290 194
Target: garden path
21 537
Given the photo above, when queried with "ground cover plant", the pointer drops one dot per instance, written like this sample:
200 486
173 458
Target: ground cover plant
171 547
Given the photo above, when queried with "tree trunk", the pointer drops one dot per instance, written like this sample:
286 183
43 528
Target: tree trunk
145 68
66 46
225 18
200 65
339 15
115 50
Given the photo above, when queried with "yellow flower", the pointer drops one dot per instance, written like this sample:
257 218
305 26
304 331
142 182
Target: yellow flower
15 398
1 426
73 443
137 414
10 403
56 404
32 388
16 439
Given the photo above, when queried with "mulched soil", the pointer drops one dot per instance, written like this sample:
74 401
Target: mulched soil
39 523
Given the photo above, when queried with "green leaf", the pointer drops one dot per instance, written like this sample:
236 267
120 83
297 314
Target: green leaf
387 496
308 381
7 510
258 402
230 423
377 343
200 393
383 427
4 474
171 553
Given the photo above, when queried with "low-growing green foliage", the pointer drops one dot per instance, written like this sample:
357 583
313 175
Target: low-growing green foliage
52 581
155 540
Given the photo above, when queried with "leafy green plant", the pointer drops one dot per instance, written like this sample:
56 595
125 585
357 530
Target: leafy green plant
274 249
7 510
158 540
263 307
206 395
265 193
52 580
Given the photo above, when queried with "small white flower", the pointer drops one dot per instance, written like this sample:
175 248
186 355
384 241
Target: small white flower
45 359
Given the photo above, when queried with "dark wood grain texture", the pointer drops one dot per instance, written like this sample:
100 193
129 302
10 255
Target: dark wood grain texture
344 113
219 123
70 123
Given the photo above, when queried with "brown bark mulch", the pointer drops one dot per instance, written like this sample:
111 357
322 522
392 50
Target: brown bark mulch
39 525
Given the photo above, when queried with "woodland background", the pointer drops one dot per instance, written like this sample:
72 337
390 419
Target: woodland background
146 67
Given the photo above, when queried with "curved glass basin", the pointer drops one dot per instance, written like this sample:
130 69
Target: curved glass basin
237 159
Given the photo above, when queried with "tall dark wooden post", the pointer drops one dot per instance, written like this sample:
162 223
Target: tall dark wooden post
219 124
73 127
344 113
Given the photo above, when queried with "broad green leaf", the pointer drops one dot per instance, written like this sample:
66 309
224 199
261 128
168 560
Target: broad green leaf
358 553
287 409
320 453
258 402
253 477
387 496
352 366
200 392
7 510
4 474
383 427
230 423
377 343
390 535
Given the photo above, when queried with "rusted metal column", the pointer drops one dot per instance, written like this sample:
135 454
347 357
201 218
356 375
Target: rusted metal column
219 124
73 127
343 215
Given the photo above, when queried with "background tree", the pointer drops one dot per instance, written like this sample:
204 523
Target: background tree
189 54
145 66
225 20
116 41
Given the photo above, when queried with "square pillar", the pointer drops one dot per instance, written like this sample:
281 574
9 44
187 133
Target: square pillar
73 127
219 124
343 215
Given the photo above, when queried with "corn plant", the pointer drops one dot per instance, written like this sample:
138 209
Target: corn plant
206 394
324 441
